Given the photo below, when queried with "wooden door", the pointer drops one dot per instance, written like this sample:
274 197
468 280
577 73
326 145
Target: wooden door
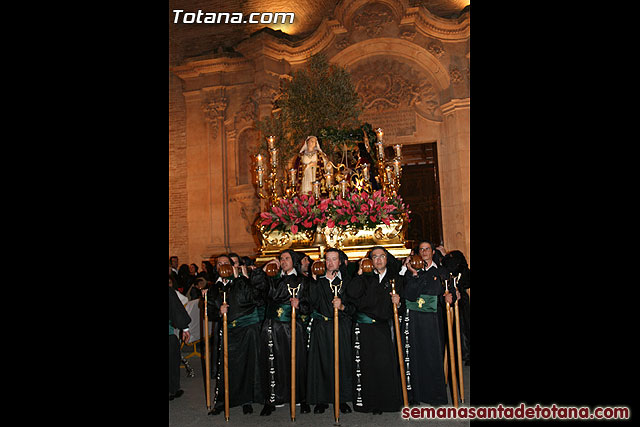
420 188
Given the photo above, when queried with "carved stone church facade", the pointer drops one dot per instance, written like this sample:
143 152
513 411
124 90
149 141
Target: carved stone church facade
410 68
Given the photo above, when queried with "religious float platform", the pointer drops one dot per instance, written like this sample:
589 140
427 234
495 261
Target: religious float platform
351 206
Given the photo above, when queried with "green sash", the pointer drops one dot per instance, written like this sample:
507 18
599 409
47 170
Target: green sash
363 318
318 316
246 320
281 313
425 304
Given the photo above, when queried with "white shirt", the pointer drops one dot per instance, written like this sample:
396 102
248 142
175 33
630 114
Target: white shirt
293 271
381 275
404 268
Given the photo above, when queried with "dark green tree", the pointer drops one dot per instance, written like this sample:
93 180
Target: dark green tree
319 98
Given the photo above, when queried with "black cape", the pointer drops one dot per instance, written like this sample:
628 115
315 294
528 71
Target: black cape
422 340
243 329
321 359
376 376
275 338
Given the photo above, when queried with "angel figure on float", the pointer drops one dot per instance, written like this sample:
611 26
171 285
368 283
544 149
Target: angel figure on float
310 164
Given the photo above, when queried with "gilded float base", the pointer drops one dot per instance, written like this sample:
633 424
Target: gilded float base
354 242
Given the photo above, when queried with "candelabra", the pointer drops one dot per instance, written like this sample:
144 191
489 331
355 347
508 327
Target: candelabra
271 182
389 173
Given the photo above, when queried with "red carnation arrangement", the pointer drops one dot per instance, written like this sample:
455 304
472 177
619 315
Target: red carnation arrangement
359 210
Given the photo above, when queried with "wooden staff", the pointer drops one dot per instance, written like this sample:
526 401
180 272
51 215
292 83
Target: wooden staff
207 366
457 314
293 292
336 358
226 359
405 398
454 381
446 366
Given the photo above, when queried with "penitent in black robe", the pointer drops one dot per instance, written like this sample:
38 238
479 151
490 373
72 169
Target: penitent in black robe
321 359
178 319
376 377
243 331
275 338
421 328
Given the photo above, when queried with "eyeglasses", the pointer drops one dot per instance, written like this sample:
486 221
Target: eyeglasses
378 256
425 249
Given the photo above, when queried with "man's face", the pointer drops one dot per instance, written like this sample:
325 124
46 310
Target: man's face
174 262
332 260
222 260
379 259
426 252
305 264
192 269
286 263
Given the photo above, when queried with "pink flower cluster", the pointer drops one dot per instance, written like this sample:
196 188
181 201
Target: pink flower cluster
291 214
363 210
358 209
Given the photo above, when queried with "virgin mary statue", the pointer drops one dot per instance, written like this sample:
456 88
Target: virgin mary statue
310 164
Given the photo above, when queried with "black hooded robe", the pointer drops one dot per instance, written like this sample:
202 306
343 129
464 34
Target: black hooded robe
376 377
178 319
422 338
275 338
243 331
321 359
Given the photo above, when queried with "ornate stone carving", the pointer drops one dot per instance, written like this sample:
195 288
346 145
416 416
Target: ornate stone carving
249 209
387 84
343 44
265 94
408 35
372 19
214 107
248 110
435 48
456 76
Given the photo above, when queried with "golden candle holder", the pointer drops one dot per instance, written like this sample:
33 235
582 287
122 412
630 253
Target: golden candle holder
272 181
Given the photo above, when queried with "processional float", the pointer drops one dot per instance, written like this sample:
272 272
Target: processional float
335 192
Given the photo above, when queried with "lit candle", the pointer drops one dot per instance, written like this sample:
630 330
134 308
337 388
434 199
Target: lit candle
343 188
365 171
380 150
293 173
260 161
260 177
396 167
274 157
316 189
398 148
329 178
272 141
379 133
389 174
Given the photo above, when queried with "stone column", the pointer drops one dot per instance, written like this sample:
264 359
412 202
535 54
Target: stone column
214 108
453 153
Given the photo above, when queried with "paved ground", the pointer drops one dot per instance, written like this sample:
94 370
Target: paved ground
190 409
